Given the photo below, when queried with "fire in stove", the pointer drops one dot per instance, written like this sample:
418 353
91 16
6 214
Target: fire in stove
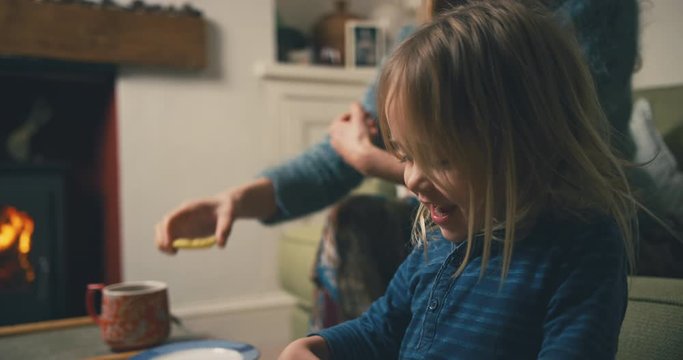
16 228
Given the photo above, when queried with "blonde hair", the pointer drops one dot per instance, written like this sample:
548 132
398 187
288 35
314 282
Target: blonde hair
503 92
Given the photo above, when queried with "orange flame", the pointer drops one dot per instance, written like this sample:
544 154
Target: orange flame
17 226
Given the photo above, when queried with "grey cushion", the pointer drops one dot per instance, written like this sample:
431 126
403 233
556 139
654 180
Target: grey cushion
653 326
657 161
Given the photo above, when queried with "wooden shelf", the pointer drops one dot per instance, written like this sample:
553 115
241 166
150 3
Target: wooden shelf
75 32
315 73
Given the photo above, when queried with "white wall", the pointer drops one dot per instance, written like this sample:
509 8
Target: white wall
661 44
186 135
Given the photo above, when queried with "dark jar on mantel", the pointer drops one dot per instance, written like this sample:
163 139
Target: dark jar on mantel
329 35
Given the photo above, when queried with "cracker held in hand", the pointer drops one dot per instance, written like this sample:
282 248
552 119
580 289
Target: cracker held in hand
196 243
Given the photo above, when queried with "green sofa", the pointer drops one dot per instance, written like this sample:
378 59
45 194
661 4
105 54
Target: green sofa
296 253
653 327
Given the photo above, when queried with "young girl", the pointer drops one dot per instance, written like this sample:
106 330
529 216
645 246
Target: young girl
524 233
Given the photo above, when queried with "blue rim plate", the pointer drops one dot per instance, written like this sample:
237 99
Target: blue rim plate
247 351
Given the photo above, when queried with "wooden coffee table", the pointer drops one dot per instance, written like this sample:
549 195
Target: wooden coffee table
72 338
79 338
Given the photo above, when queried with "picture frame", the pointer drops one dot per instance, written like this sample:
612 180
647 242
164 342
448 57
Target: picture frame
365 42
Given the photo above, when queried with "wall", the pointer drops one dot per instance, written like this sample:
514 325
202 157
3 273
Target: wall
661 44
188 135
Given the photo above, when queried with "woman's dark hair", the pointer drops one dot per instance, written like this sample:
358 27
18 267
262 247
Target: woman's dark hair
372 236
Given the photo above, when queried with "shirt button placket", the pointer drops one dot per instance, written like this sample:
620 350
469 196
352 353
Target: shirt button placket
433 305
441 284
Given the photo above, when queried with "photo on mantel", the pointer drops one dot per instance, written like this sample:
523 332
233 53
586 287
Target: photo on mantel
365 43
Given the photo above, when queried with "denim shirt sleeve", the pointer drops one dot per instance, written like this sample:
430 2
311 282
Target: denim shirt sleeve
607 31
588 304
369 100
377 334
310 181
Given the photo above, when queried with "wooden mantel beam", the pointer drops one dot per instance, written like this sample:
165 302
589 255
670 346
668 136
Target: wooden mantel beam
74 32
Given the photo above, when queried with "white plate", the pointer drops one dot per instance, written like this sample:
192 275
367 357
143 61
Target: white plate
206 354
203 349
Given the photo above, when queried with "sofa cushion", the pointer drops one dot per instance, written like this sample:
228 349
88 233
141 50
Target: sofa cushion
657 161
295 260
653 326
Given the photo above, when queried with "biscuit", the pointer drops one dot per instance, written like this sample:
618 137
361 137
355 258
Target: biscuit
195 243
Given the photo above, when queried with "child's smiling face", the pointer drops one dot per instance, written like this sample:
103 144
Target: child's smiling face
440 187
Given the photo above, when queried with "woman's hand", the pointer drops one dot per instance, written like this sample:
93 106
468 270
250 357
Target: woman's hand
312 347
351 136
215 215
191 220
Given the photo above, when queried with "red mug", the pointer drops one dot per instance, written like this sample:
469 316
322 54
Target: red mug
134 315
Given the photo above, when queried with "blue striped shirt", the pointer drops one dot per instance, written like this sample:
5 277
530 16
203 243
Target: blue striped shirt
564 298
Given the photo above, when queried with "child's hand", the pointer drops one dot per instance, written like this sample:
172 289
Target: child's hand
312 347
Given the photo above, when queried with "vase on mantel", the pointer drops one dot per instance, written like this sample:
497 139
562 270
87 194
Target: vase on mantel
328 35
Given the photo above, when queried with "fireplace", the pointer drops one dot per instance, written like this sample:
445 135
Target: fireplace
58 187
59 201
32 258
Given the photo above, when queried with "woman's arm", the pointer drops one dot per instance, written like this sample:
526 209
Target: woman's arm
311 181
216 215
376 162
607 31
351 136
